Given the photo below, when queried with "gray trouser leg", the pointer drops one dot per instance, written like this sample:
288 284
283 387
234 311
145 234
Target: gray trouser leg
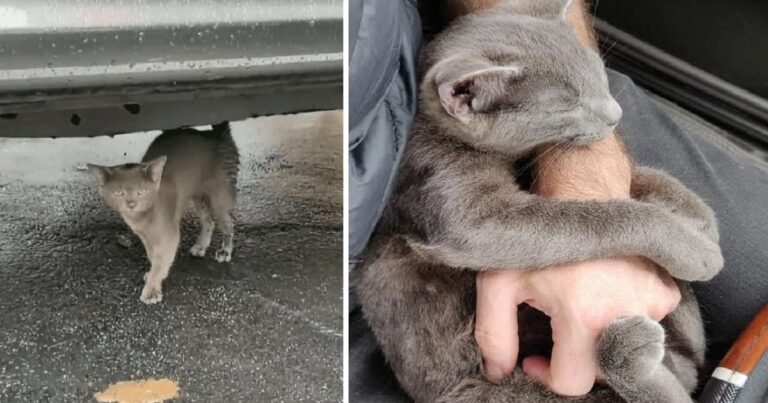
733 183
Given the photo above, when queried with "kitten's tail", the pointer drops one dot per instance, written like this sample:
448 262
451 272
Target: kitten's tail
227 149
223 132
222 128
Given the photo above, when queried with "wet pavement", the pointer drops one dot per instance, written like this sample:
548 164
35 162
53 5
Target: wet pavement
267 327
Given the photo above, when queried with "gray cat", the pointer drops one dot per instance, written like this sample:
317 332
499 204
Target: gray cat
498 84
181 167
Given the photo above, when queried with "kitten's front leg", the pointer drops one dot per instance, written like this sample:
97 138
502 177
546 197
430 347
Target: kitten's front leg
530 232
630 352
161 254
658 188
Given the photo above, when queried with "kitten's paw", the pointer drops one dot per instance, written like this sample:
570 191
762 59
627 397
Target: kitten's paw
151 294
687 253
630 349
697 260
223 255
197 250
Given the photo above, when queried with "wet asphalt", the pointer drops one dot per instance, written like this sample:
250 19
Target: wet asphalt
267 327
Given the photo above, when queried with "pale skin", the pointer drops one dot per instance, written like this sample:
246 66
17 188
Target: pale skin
581 299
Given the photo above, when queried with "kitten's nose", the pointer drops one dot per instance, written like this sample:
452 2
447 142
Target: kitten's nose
131 204
606 111
612 113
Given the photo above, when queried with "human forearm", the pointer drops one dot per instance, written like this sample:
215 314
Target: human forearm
602 170
579 19
599 171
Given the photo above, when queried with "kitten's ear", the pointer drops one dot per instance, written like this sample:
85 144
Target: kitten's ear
477 91
549 9
154 169
102 173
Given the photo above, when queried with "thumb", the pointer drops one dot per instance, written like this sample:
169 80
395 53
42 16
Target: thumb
496 325
573 366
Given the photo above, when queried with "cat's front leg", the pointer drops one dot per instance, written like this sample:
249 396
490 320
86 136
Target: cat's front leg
630 352
532 232
161 255
656 187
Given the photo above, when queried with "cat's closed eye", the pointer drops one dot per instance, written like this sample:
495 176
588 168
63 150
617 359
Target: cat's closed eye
140 192
500 59
119 193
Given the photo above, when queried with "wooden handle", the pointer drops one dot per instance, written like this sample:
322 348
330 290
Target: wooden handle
728 378
750 346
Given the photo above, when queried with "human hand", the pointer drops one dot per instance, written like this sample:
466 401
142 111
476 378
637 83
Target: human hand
581 299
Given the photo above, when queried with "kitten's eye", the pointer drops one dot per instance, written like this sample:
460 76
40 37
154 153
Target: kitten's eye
119 192
140 192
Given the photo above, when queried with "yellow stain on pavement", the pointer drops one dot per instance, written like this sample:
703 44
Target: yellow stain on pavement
139 391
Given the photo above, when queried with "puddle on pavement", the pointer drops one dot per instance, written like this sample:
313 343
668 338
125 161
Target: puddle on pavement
139 391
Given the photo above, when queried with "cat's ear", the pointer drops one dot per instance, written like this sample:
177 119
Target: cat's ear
154 169
102 173
549 9
477 91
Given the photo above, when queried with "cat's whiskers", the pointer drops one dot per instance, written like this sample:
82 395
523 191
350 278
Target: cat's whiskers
560 150
535 160
621 91
607 52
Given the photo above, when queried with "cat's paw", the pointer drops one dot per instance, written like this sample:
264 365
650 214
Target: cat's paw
197 250
699 260
151 294
223 255
687 253
630 349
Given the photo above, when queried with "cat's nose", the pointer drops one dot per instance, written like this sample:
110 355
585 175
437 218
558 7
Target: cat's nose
130 203
604 111
612 113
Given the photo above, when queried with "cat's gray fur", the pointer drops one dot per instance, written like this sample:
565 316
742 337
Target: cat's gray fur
497 84
181 167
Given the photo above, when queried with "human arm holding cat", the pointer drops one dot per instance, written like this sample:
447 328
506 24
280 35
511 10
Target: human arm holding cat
583 299
634 286
600 171
478 222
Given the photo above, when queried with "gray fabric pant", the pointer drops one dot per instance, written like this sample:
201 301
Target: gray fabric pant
657 133
661 135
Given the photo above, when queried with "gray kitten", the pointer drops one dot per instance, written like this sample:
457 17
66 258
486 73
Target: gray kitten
498 84
181 167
